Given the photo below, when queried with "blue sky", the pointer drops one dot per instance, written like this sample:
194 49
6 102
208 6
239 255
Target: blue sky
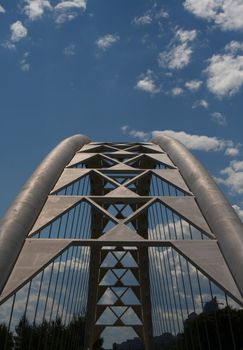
121 70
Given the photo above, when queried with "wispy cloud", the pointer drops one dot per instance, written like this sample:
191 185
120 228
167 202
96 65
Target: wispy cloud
193 85
69 50
2 9
124 128
218 118
24 64
143 20
151 15
185 35
142 135
161 13
200 103
9 45
226 14
176 58
234 46
177 91
105 42
139 134
179 51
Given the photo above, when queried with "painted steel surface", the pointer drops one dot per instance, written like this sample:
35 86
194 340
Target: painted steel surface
23 212
220 215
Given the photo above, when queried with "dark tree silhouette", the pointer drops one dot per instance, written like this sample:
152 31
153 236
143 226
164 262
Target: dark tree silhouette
53 335
98 344
6 338
217 330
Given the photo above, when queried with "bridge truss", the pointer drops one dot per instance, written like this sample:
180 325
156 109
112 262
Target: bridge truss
122 240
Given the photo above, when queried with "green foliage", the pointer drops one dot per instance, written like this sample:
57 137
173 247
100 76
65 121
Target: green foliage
217 330
51 335
6 338
98 344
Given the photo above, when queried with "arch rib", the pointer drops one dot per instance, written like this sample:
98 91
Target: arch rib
22 214
219 214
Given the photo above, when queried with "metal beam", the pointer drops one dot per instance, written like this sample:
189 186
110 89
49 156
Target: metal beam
220 215
22 214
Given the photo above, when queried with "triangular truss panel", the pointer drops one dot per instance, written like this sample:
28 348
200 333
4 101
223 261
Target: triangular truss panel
188 285
36 290
68 178
151 161
122 238
92 160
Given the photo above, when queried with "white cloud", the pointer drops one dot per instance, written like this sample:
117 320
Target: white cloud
161 14
227 14
147 83
232 177
193 142
139 134
35 9
186 35
18 31
24 65
234 46
106 41
143 20
69 50
200 103
142 135
64 10
179 54
218 118
239 211
225 74
176 58
176 91
193 85
71 4
2 10
9 45
196 142
124 128
232 151
149 16
68 10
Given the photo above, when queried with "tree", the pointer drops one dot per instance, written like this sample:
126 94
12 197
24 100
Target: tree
98 344
6 338
217 330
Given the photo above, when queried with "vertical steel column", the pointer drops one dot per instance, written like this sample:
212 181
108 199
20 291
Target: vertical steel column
92 297
145 297
143 260
97 188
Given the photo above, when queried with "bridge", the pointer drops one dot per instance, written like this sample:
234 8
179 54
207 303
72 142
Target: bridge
121 243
